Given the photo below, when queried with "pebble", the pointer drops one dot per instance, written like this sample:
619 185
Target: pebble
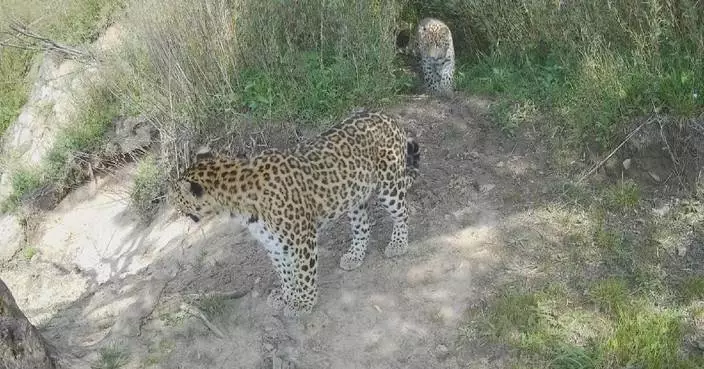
442 351
627 164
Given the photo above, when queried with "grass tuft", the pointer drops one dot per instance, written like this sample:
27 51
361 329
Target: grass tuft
111 357
64 165
147 188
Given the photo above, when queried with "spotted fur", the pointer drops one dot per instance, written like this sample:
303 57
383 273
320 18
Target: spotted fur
285 197
435 51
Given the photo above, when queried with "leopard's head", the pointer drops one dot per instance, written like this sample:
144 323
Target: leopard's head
189 194
190 198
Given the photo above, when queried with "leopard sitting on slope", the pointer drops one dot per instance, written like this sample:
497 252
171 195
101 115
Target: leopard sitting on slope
285 197
434 48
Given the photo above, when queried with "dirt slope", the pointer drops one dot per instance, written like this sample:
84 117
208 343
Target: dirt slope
101 281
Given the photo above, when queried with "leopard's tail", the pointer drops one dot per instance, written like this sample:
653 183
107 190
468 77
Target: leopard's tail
412 158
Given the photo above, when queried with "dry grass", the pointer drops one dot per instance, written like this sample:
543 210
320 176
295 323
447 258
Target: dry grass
203 70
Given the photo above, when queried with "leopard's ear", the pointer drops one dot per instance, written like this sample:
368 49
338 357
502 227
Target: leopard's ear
196 189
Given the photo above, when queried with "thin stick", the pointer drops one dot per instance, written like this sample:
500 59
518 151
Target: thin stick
230 295
47 43
599 164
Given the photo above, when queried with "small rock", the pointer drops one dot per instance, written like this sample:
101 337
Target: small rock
662 211
627 164
487 187
681 250
12 236
654 176
130 134
441 351
474 155
500 164
268 347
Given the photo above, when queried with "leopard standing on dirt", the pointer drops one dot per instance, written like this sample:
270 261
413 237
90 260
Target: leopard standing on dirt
285 197
434 48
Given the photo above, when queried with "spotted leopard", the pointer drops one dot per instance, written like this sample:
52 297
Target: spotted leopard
434 48
285 197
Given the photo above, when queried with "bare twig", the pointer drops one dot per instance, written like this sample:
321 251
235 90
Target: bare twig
45 42
675 162
22 47
599 164
225 295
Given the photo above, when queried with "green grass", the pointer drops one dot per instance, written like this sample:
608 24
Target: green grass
553 328
691 288
66 21
590 66
14 66
647 338
111 357
64 165
148 187
276 62
622 196
29 252
212 306
615 293
76 143
23 181
610 295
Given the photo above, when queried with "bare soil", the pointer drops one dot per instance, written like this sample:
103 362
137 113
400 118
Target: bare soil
100 280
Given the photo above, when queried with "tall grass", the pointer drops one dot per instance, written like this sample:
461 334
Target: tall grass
202 68
593 64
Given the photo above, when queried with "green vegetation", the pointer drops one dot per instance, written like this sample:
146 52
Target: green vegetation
591 65
553 328
14 66
71 22
212 306
624 195
206 67
66 21
148 186
203 69
582 72
111 357
615 291
29 252
63 166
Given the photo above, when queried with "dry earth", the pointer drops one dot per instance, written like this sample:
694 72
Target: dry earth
101 280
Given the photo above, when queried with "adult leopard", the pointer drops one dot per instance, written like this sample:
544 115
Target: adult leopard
285 197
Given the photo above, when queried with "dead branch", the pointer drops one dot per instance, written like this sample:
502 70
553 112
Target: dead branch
599 164
229 295
23 33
